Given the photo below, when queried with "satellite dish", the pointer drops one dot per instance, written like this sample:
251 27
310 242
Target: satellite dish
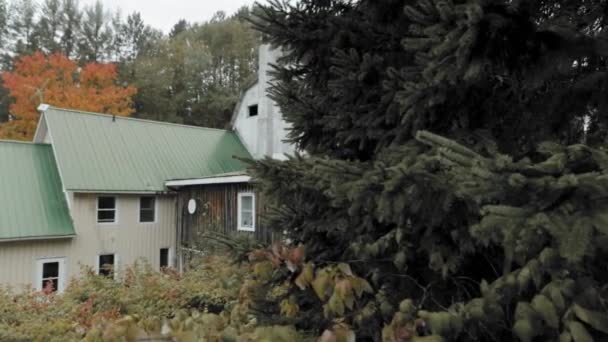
192 206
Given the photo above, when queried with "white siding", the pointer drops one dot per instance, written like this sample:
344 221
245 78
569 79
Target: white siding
128 239
263 134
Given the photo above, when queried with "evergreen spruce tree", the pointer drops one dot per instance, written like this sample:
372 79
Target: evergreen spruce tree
454 159
96 35
22 27
49 26
70 27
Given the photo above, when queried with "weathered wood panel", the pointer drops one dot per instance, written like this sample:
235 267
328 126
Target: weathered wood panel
217 206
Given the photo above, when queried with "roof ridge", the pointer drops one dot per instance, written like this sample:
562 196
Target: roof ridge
138 119
10 141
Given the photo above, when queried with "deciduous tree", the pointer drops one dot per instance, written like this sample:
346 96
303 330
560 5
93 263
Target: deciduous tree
58 81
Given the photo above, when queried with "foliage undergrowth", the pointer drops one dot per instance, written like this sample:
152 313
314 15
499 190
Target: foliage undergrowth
201 304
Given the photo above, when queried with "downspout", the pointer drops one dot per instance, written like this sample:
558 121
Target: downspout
178 229
178 233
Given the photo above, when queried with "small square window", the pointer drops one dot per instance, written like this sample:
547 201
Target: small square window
106 265
253 110
50 275
164 257
147 209
246 212
106 209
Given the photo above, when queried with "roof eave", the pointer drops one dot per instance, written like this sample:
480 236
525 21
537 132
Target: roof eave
208 181
120 192
235 112
38 238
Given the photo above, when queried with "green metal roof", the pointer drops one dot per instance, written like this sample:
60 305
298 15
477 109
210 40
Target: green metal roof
32 203
98 152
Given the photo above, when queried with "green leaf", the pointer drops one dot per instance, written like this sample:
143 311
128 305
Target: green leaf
432 338
555 293
579 332
524 311
598 320
400 260
336 305
547 310
565 337
439 322
574 243
345 269
322 284
524 330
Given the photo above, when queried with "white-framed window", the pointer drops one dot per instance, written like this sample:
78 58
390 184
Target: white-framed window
106 264
107 209
165 258
246 211
147 209
50 273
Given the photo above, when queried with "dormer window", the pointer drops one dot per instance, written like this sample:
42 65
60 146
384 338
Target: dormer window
253 110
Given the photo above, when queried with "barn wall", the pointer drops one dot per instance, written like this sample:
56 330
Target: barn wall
217 211
265 133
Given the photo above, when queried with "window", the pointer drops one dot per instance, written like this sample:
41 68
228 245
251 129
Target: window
147 209
106 209
253 110
246 212
106 265
164 257
50 274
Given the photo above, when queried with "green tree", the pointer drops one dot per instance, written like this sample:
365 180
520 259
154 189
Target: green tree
22 27
168 80
490 228
179 27
70 24
194 77
4 20
137 37
96 33
51 16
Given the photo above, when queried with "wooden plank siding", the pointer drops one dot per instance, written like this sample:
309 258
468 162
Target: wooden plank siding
217 211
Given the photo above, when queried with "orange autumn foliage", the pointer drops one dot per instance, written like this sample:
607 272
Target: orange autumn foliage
60 82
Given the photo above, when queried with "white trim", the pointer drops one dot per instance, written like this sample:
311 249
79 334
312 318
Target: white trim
43 107
209 180
139 210
239 212
113 223
60 276
34 238
37 138
118 192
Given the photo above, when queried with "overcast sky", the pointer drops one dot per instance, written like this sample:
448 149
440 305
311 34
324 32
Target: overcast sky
163 14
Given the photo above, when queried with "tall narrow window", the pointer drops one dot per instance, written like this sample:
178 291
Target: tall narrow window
106 209
147 209
253 110
164 257
50 275
106 265
246 211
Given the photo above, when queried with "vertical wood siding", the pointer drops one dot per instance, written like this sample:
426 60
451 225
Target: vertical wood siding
128 238
217 211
